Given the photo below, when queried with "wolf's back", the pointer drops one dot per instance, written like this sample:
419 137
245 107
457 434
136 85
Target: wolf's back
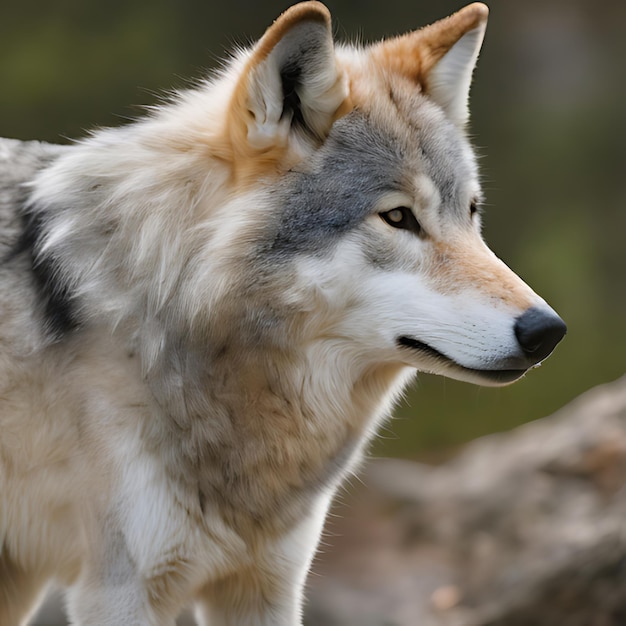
19 163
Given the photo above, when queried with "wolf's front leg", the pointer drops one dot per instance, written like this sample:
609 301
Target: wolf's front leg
104 602
94 603
269 592
19 590
111 591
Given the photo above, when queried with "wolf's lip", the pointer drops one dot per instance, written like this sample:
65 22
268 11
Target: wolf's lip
502 376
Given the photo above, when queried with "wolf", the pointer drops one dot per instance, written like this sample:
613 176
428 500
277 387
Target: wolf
205 315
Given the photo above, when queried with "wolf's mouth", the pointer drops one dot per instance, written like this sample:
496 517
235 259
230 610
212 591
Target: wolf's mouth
502 376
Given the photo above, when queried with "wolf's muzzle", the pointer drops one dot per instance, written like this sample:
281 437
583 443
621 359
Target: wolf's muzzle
538 331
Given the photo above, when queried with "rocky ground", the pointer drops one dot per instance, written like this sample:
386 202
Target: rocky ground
524 528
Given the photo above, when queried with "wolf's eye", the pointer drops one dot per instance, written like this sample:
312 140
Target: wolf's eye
473 208
402 217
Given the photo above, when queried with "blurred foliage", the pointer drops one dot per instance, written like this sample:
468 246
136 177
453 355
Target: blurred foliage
548 119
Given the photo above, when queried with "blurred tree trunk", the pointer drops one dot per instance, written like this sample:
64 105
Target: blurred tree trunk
524 528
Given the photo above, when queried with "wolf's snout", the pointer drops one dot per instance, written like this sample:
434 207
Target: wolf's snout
538 331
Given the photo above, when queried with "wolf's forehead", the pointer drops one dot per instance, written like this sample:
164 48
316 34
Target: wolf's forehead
365 157
437 150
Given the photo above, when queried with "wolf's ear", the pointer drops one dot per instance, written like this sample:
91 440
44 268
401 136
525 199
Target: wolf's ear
440 57
291 82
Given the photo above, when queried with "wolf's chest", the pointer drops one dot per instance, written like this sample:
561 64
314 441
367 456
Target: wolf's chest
270 482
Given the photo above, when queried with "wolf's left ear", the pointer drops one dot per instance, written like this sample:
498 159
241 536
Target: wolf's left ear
440 57
291 82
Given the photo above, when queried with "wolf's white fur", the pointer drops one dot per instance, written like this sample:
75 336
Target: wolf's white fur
233 351
450 79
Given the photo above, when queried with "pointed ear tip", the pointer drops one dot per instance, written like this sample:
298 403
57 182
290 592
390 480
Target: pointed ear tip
301 13
310 10
477 11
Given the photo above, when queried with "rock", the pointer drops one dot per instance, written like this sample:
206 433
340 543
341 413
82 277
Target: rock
523 528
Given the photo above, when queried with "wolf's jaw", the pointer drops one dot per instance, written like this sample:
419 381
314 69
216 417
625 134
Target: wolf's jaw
454 370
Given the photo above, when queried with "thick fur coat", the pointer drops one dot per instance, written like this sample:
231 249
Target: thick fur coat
205 315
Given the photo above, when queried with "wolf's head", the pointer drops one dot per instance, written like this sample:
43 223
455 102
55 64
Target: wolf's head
375 212
312 197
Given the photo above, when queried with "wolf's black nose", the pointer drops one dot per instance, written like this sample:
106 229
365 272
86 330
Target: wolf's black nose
538 331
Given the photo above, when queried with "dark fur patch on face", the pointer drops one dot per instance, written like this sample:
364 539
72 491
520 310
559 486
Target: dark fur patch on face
361 162
54 294
355 168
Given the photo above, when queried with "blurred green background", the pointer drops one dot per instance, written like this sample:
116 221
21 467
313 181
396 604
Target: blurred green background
548 118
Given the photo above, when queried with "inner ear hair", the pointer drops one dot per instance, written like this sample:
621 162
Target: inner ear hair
291 82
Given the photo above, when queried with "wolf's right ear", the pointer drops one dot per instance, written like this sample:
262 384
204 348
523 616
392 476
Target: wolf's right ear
291 82
440 58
